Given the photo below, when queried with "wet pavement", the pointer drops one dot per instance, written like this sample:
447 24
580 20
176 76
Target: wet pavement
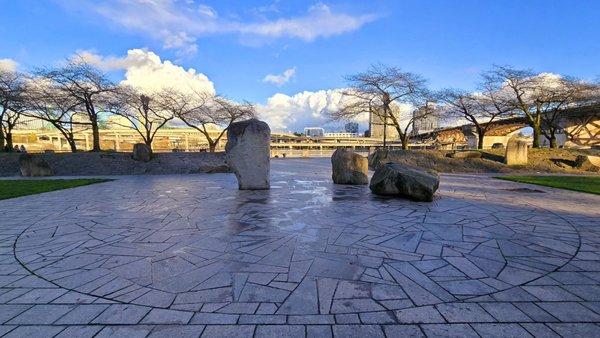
190 255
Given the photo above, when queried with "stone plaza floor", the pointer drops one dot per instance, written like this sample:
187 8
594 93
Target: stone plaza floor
190 255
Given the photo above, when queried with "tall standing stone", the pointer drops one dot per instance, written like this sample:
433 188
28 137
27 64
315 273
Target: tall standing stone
141 152
349 167
247 153
516 152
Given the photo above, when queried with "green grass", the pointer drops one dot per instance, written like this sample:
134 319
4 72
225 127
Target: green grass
17 188
589 184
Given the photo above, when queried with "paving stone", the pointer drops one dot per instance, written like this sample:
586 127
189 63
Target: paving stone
133 331
164 316
575 329
402 331
82 314
80 331
122 314
41 314
182 331
569 311
466 312
214 318
500 330
277 331
262 319
449 330
350 318
34 331
318 331
539 330
228 331
348 331
384 317
9 311
423 314
505 312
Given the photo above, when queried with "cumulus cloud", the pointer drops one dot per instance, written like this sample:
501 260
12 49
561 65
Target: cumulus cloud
146 71
280 79
8 65
305 109
177 23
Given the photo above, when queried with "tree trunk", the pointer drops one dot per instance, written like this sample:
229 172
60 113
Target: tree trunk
95 133
537 131
9 142
480 136
404 140
553 140
149 145
212 146
2 139
72 145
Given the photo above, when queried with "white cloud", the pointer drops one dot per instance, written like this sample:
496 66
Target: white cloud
145 70
8 65
282 78
177 23
305 109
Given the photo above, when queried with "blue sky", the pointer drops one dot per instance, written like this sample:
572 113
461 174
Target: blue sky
236 44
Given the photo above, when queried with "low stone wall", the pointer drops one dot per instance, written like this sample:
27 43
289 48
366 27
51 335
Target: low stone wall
112 163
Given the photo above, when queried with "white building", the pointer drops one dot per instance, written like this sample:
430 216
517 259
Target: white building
314 132
342 134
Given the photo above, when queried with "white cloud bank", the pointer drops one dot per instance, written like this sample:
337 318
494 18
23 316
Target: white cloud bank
177 23
280 79
8 65
306 109
145 70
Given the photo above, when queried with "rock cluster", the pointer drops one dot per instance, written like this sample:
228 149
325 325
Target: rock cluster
465 154
588 163
392 179
516 152
349 167
34 166
247 153
141 152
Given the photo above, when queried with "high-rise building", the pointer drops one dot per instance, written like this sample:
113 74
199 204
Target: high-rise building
314 132
425 120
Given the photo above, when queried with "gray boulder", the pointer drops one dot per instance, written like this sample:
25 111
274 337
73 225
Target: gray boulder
34 166
392 179
498 145
247 153
141 152
588 163
349 167
465 154
378 157
516 152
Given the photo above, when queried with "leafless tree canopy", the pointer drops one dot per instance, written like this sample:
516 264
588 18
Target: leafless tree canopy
12 104
144 112
199 110
380 91
84 83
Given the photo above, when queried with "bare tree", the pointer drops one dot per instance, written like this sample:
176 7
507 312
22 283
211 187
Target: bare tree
199 110
143 112
87 84
480 109
383 91
54 105
12 93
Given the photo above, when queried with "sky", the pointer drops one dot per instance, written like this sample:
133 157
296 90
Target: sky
290 57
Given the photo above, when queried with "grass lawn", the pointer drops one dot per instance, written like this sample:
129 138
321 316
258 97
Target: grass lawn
17 188
589 184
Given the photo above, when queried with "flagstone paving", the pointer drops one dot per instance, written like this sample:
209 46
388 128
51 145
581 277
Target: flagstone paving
190 255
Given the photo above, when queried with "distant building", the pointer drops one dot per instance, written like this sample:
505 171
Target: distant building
31 123
342 134
314 132
351 127
424 123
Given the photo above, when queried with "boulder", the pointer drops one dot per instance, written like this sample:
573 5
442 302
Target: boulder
465 154
378 157
516 152
34 166
141 152
392 179
498 145
247 153
588 163
349 167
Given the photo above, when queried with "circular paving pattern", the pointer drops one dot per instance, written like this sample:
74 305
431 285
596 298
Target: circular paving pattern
304 247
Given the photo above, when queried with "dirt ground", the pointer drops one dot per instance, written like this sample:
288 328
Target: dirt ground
540 160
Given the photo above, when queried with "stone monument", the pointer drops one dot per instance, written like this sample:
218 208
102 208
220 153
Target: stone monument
516 152
247 153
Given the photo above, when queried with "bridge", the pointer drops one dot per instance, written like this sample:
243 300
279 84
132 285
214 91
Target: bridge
579 128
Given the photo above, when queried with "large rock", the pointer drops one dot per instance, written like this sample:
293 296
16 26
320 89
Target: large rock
33 166
465 154
349 167
141 152
247 153
588 163
378 157
516 152
392 179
